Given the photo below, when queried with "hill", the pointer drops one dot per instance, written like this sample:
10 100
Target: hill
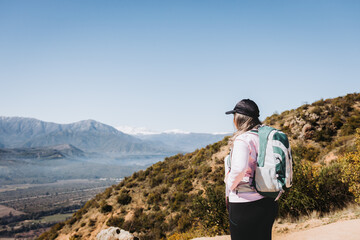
41 153
183 195
323 130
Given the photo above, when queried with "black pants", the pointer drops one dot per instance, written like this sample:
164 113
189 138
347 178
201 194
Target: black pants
252 220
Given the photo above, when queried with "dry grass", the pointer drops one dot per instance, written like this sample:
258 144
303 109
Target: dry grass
287 225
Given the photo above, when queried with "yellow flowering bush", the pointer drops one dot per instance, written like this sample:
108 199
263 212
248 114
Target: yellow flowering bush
350 167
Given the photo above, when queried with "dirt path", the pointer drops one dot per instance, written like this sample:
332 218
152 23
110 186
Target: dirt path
349 230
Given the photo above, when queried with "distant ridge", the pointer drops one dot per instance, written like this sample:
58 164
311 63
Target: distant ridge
41 153
87 135
175 138
93 136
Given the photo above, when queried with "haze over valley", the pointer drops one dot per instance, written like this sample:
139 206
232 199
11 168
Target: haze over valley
36 151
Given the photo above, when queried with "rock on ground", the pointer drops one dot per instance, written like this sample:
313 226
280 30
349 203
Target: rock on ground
114 233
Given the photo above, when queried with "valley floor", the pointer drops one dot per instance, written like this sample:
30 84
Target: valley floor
27 210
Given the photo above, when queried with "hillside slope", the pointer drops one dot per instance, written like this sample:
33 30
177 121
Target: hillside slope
153 203
323 130
185 192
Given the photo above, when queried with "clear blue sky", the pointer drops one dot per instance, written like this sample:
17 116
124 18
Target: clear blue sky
173 64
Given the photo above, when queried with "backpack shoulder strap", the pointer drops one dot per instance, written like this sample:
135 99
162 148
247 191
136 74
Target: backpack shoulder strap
264 132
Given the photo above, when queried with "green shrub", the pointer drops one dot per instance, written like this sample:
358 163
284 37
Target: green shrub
164 190
71 221
305 152
218 174
184 223
156 208
75 237
315 188
350 125
316 110
205 169
91 222
156 180
337 121
52 233
106 208
107 192
177 200
320 102
211 211
332 192
287 130
124 198
131 184
153 198
324 135
185 186
48 236
141 176
115 222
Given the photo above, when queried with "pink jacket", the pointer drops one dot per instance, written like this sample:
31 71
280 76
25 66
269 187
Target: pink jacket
243 165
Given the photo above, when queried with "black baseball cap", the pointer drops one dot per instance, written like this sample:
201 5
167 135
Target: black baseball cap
246 107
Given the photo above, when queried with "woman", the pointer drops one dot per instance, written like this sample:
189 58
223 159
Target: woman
251 215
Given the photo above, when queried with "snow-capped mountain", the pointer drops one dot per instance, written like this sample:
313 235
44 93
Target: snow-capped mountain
176 131
144 131
177 139
136 130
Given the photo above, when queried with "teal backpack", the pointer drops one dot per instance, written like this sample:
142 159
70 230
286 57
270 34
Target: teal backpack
273 174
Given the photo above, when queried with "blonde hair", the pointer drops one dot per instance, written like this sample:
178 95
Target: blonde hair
243 123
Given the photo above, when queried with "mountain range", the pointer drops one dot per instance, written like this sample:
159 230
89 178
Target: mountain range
92 136
88 135
30 148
